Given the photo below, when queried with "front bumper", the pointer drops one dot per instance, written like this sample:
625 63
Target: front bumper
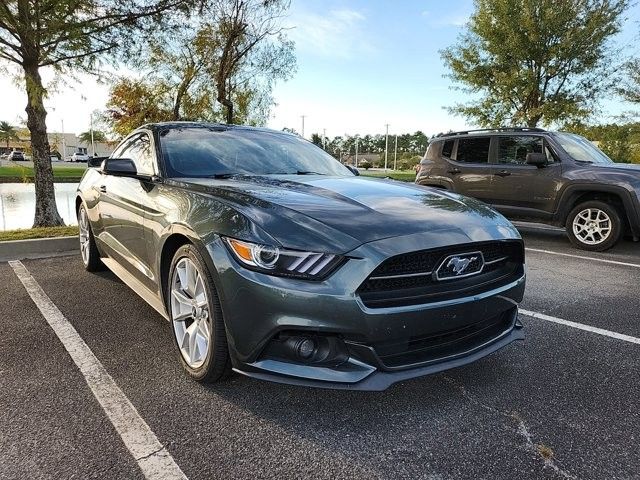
257 308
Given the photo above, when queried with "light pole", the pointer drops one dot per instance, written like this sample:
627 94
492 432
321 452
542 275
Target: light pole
93 145
302 117
324 138
64 142
356 152
386 146
395 155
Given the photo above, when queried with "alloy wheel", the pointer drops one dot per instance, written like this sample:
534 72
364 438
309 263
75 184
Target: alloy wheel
592 226
190 314
83 227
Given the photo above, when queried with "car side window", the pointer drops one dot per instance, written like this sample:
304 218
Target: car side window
139 150
447 148
473 150
513 150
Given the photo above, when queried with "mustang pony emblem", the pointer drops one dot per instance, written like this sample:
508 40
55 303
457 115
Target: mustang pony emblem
460 264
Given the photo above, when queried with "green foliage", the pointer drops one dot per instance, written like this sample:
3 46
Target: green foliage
366 165
534 61
42 232
629 88
621 143
7 133
413 143
98 136
135 102
218 67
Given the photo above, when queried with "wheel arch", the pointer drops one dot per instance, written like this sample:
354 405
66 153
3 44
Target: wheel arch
177 236
618 197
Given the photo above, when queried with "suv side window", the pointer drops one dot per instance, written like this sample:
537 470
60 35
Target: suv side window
513 150
473 150
447 148
138 149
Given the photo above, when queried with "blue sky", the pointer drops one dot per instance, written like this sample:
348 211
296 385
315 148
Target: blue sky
361 64
366 63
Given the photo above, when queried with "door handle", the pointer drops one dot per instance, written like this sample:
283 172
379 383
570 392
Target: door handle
454 171
103 188
503 173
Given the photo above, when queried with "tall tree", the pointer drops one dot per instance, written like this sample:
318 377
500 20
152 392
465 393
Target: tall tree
534 61
630 86
248 42
65 35
7 133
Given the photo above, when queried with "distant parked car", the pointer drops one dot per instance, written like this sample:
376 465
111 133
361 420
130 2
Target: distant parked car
79 157
16 156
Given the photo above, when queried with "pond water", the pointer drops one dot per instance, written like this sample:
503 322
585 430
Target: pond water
18 204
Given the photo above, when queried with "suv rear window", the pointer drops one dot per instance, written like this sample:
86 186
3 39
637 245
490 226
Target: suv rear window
473 150
447 148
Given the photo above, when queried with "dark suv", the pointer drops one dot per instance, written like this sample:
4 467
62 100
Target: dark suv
531 174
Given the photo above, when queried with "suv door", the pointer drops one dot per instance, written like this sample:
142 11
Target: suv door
469 167
519 189
123 204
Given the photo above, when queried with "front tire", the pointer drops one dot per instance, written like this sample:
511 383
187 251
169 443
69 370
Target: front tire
196 318
88 248
595 226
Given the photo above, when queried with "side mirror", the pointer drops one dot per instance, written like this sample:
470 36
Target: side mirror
354 170
95 162
537 159
121 167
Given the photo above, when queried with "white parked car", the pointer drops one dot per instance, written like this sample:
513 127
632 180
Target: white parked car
79 157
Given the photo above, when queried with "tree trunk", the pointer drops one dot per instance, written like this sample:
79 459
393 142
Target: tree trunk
46 210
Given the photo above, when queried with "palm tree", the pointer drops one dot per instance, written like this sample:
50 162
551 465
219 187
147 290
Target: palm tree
7 133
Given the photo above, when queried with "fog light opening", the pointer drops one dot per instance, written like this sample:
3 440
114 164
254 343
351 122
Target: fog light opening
305 348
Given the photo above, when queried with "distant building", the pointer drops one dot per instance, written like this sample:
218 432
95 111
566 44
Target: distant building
57 142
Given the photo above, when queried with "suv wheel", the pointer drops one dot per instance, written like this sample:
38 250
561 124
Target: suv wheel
196 318
594 226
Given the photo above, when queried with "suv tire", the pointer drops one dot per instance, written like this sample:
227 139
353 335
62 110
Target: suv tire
594 226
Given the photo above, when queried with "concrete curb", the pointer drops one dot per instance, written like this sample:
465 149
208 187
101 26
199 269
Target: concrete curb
38 248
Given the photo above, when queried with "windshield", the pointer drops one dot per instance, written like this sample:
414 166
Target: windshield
208 152
581 149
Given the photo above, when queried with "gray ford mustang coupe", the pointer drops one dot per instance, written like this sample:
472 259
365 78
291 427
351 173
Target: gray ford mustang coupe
271 258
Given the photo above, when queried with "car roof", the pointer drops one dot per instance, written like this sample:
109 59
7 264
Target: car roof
490 131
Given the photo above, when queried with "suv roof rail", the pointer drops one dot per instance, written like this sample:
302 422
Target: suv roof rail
500 129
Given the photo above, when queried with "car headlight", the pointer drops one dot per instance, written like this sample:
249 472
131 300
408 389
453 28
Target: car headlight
282 262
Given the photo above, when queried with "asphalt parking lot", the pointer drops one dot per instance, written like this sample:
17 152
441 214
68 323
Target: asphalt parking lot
562 404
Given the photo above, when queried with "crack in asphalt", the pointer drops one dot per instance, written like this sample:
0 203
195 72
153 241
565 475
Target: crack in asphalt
539 449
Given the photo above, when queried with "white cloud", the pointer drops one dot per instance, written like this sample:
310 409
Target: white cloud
336 33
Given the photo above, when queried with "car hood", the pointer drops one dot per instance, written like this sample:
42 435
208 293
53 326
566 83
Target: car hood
629 167
341 213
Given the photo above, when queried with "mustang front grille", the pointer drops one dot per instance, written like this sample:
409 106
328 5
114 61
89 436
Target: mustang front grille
444 273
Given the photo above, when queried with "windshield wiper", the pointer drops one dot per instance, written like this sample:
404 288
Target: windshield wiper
228 175
305 172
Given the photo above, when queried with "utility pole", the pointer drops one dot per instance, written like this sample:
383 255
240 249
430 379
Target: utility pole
386 146
395 154
356 152
302 117
324 138
93 145
64 142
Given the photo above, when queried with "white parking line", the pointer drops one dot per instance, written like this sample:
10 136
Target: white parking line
581 326
603 260
152 457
